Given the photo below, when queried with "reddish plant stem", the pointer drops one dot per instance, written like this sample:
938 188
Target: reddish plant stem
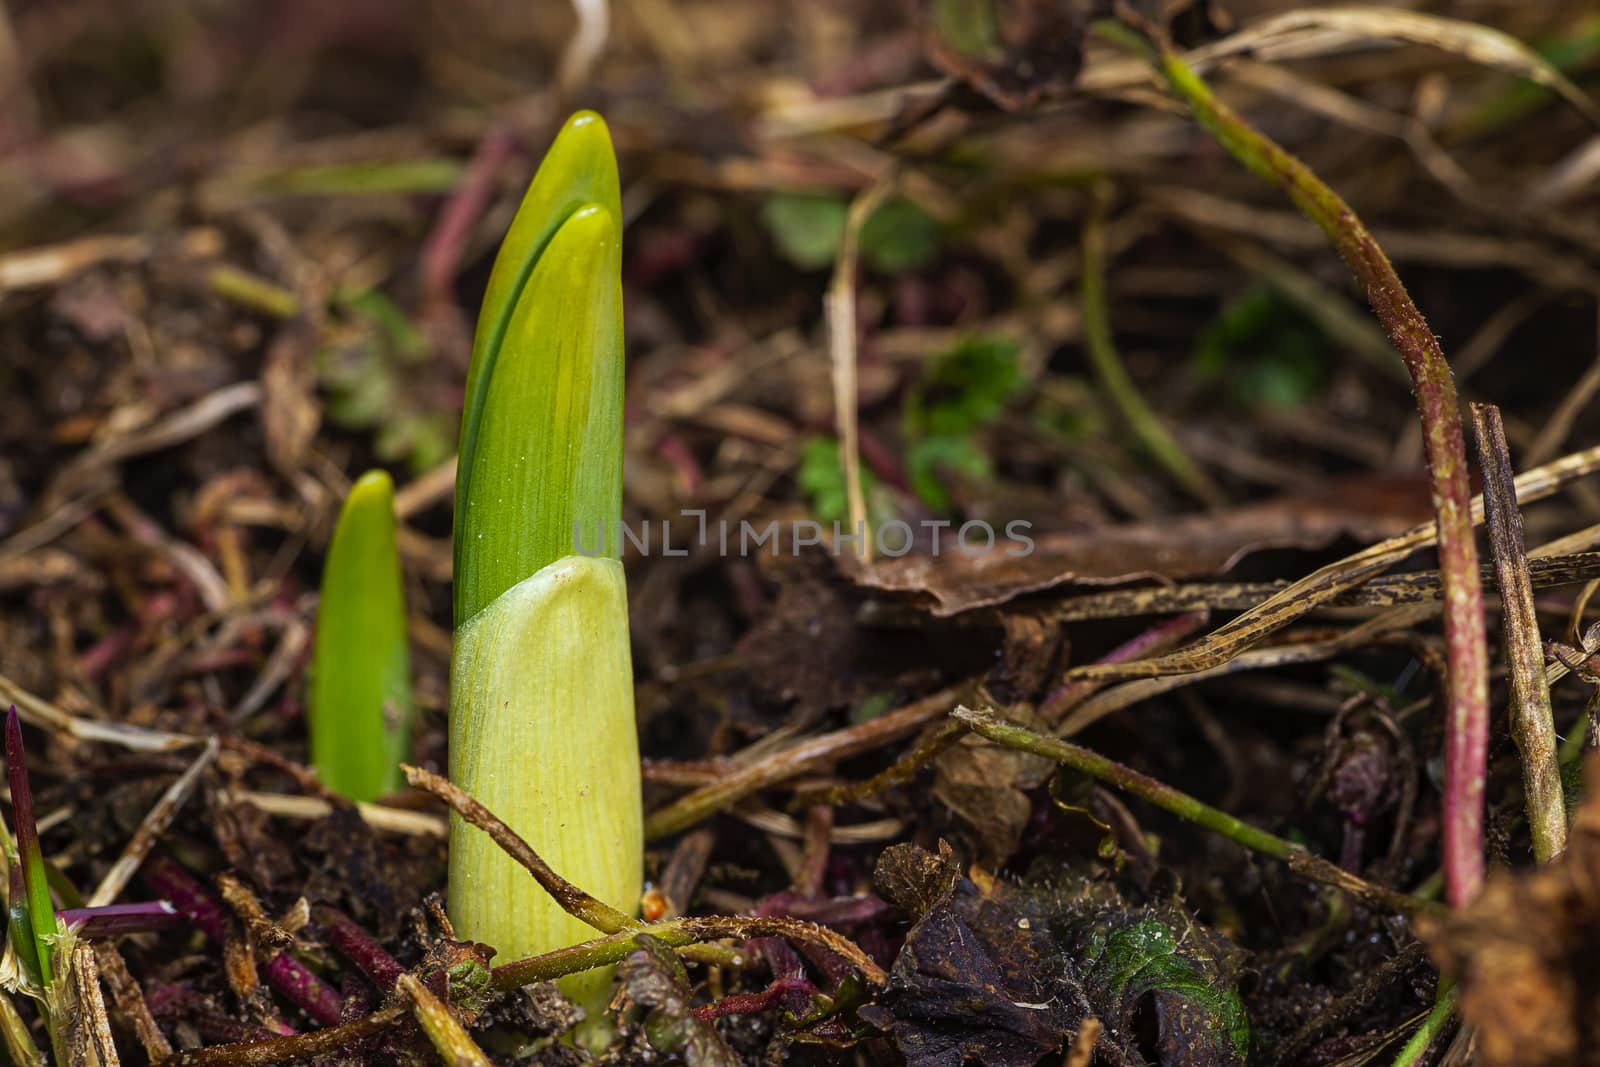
356 945
114 920
287 975
442 251
1467 725
750 1003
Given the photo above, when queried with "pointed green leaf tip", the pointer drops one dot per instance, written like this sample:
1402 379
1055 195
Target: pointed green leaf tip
541 433
360 707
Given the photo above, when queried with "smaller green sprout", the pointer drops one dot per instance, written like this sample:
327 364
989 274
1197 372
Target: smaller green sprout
360 707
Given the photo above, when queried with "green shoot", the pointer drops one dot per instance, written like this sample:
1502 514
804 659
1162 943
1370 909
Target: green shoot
541 690
360 708
37 911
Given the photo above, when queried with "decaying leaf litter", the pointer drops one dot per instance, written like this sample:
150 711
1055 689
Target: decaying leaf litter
1170 788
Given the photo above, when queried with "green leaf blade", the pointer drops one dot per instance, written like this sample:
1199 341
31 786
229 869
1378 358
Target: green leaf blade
580 170
360 701
547 450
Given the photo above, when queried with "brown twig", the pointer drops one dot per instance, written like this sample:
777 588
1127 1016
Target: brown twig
1325 584
676 933
899 772
796 760
150 830
91 1015
622 928
129 1001
293 1047
574 901
840 304
1533 725
1384 591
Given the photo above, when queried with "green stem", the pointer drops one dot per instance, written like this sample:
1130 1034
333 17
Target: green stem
677 933
1181 804
1417 1047
1467 727
1114 379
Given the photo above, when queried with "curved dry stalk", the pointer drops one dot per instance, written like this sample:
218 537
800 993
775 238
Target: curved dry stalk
574 901
1533 725
1101 348
1328 584
1467 727
293 1047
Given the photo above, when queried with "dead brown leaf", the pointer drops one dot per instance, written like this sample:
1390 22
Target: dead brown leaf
987 788
1189 547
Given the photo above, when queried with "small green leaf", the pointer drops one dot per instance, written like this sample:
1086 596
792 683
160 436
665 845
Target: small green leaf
966 388
360 706
1264 352
821 478
1130 957
807 227
963 391
931 461
899 237
968 26
29 874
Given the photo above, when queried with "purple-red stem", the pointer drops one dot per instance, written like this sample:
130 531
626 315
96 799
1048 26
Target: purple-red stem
114 920
356 945
441 252
283 972
750 1003
1467 723
1158 638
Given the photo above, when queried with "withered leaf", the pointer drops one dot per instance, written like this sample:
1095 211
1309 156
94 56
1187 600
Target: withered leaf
987 788
978 982
653 978
913 879
1192 546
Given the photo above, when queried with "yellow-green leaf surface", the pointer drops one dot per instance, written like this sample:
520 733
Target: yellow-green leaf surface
541 431
360 707
542 732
